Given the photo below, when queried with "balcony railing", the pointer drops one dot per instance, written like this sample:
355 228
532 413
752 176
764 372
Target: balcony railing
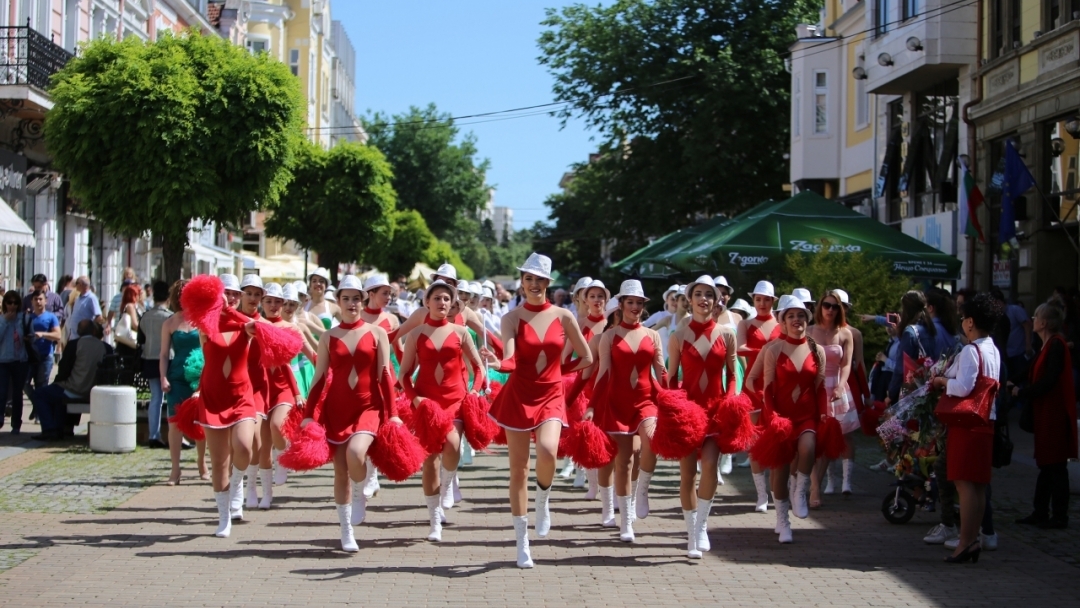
28 57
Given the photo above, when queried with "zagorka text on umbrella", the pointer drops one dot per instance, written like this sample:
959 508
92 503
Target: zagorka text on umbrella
812 248
745 260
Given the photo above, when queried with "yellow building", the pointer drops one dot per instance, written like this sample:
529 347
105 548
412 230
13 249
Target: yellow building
1028 91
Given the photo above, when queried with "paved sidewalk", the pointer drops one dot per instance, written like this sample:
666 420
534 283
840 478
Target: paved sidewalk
155 546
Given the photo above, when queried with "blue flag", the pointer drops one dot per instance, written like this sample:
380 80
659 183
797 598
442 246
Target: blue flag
1017 181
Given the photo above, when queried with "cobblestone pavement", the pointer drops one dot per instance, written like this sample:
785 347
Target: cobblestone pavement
157 548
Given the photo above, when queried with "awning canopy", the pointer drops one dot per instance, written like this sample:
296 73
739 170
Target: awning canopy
13 230
756 242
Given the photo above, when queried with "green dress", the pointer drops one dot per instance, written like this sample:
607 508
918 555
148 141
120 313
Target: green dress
304 372
184 345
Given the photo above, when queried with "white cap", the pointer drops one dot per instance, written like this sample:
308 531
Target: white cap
722 282
453 290
272 290
350 282
671 290
376 281
489 293
289 293
742 306
330 296
445 270
631 287
842 295
537 265
251 280
230 282
788 302
803 294
703 280
682 290
320 272
301 287
476 288
464 287
600 284
582 283
611 306
330 288
763 288
490 285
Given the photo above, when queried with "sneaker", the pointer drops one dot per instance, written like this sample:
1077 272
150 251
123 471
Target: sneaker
881 466
940 533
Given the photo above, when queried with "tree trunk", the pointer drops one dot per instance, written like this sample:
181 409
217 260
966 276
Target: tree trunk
172 253
331 266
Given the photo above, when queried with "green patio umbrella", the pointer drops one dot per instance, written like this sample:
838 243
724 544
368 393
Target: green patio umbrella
651 257
755 243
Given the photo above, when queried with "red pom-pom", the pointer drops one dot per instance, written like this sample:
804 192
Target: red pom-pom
870 418
202 299
186 415
403 409
774 448
830 439
433 423
591 447
277 345
480 429
290 429
308 451
731 418
396 452
680 425
493 391
500 436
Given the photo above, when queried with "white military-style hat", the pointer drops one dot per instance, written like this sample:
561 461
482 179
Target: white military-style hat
722 282
445 270
272 290
787 302
803 294
230 282
582 283
251 280
743 306
301 287
631 288
350 282
376 281
763 288
537 265
842 295
598 283
441 283
289 293
703 280
322 273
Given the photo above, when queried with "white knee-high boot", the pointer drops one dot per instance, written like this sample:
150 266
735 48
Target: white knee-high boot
521 531
762 493
783 524
446 488
266 478
849 467
626 515
690 519
641 495
543 513
348 541
224 517
702 525
358 508
434 507
799 506
281 474
252 490
593 476
236 493
607 507
371 482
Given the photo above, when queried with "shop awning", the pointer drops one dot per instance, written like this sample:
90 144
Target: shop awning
13 230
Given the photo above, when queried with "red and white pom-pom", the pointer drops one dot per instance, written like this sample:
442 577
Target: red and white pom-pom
870 418
277 345
493 391
185 419
774 447
731 418
309 450
403 409
480 429
680 425
290 429
202 299
830 439
591 447
433 423
500 436
396 452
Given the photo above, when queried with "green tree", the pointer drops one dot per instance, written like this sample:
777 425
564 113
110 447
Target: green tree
435 172
690 100
341 205
155 135
412 239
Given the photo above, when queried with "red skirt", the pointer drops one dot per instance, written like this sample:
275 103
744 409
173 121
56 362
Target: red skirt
343 419
627 419
524 406
221 413
970 453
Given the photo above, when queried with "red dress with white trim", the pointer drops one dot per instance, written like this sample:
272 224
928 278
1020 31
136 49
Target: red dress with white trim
260 382
280 383
225 386
361 390
625 383
755 341
440 376
703 376
533 396
796 392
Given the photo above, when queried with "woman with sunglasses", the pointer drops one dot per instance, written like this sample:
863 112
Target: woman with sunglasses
705 351
753 334
830 330
532 399
13 359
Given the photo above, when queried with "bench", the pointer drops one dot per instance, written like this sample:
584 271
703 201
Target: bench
120 373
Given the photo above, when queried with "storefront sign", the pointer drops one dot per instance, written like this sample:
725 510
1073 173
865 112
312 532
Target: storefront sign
1003 274
937 230
12 177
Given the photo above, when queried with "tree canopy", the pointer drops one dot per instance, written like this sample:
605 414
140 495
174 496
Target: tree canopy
155 135
690 100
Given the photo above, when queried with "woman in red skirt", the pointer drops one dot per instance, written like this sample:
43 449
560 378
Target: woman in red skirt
593 298
358 398
438 349
971 450
228 414
752 335
629 356
532 400
794 388
705 350
251 296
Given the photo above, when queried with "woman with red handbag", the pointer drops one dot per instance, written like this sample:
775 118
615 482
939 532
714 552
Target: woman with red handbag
970 446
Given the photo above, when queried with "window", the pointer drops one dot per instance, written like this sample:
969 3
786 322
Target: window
1061 151
1057 13
881 17
796 105
862 105
294 61
258 45
910 9
1005 22
821 102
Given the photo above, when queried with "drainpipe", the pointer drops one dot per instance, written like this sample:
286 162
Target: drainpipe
976 98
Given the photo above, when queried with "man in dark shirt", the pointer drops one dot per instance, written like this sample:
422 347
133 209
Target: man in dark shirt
73 381
53 302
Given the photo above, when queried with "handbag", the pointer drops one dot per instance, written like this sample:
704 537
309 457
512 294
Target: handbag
1003 445
973 410
124 334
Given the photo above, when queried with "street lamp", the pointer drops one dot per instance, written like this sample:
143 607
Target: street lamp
858 73
1072 127
884 60
914 44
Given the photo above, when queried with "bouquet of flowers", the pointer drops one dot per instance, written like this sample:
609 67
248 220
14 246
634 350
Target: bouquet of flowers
911 433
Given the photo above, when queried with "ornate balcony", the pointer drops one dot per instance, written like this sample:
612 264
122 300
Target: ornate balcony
29 58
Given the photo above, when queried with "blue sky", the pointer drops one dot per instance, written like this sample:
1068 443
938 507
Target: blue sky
468 57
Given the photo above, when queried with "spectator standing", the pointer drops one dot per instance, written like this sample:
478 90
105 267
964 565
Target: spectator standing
128 278
74 381
12 358
85 307
917 338
44 327
150 339
1018 348
53 302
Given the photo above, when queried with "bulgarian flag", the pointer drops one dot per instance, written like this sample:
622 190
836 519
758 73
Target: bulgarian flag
970 201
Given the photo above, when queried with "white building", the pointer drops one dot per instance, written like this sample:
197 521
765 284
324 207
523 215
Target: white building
344 124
